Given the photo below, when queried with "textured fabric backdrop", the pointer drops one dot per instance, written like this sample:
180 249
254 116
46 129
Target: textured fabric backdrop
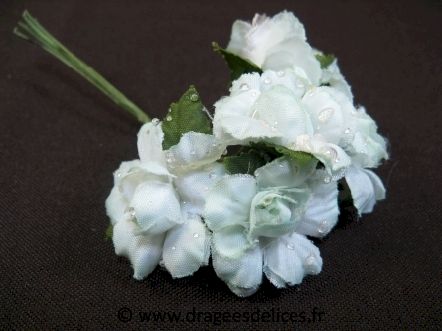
60 141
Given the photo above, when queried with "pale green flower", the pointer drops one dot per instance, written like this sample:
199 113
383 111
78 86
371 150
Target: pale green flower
259 224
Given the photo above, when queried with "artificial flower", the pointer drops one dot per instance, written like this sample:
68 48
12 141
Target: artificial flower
155 212
259 224
275 43
176 207
331 76
253 208
336 119
366 188
270 108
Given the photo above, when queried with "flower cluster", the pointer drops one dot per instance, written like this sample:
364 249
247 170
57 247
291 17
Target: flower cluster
251 184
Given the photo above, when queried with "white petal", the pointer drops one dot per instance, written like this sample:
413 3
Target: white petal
143 251
281 111
367 147
326 114
228 202
116 205
243 275
230 241
365 188
288 259
152 169
124 169
194 150
150 140
334 158
239 31
234 120
288 24
378 186
131 173
322 211
275 43
294 79
246 83
263 107
333 76
284 172
156 207
194 186
293 52
117 200
129 183
186 248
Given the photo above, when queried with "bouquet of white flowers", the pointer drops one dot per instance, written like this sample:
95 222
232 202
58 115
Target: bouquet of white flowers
249 185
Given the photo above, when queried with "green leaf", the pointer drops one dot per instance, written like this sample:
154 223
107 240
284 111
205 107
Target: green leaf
245 163
109 232
257 155
325 59
185 115
301 157
275 151
236 64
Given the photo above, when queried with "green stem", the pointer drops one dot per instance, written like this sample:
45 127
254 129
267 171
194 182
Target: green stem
29 29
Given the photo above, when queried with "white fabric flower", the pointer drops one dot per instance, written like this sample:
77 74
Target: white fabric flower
366 188
368 148
258 225
194 185
275 43
336 119
321 210
262 107
175 207
143 251
193 151
271 107
332 76
154 213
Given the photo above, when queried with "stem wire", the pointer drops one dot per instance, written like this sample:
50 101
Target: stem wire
31 30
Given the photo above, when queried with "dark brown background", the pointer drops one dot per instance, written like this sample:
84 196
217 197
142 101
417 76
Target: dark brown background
60 140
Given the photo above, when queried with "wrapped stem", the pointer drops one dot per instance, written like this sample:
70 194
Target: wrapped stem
29 29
